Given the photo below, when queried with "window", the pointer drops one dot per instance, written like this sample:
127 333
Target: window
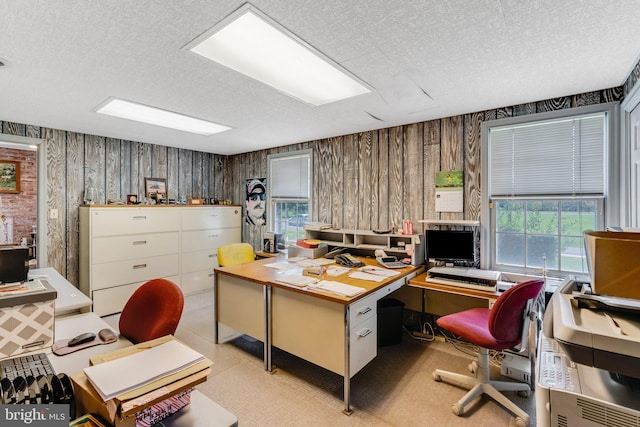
289 186
547 182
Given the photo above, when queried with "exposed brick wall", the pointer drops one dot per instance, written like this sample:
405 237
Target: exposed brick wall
21 207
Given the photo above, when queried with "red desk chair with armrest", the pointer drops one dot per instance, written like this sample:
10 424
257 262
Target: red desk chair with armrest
502 327
153 311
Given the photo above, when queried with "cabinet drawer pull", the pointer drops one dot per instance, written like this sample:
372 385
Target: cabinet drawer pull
140 242
213 214
139 217
363 333
213 255
364 310
212 274
135 267
213 235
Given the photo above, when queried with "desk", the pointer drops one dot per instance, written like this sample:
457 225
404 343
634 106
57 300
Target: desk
336 333
463 298
69 299
201 411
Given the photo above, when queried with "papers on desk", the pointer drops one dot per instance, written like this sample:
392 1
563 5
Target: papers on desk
374 274
282 266
314 262
337 271
121 375
296 280
337 288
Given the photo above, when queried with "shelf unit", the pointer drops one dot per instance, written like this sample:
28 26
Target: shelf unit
400 245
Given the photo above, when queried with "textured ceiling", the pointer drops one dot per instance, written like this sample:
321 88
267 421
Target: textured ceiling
425 60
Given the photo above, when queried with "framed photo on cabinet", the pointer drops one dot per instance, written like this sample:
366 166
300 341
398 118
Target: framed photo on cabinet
155 185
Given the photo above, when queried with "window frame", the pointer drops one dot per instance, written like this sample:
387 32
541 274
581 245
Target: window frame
272 201
610 205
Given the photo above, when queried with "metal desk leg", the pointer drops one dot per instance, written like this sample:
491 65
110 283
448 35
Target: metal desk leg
267 333
347 364
215 308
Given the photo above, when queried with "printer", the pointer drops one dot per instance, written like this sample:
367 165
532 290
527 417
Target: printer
588 362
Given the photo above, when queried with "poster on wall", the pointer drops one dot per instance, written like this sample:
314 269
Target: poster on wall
255 204
449 191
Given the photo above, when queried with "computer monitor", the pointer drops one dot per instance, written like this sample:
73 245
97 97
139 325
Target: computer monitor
14 264
457 247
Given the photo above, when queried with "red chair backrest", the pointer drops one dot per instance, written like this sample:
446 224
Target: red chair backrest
506 318
153 311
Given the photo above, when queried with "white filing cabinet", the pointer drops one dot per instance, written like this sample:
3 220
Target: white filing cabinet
121 247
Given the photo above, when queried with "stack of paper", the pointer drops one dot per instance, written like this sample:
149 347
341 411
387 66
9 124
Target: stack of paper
297 280
119 376
337 288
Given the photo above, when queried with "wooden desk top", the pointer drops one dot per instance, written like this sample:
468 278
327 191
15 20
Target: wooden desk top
258 273
421 281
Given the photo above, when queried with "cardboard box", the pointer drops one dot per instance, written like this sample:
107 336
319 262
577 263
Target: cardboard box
27 317
121 411
614 263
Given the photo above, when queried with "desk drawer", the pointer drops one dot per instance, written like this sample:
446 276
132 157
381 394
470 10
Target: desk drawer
363 341
117 248
362 309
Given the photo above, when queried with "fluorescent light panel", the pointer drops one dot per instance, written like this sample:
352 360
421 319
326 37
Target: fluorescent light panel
255 45
155 116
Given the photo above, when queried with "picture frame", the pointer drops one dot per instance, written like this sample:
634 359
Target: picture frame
155 185
9 177
132 199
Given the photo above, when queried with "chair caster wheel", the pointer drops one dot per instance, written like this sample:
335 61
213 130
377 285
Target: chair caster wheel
523 393
457 409
436 377
521 423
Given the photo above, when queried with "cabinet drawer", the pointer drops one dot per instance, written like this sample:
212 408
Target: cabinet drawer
114 221
133 270
209 239
116 248
363 309
112 300
210 217
363 341
199 260
197 281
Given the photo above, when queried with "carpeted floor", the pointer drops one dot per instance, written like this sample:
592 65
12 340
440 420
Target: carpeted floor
395 389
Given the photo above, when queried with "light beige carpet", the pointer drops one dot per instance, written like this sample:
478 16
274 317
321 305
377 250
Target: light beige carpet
395 389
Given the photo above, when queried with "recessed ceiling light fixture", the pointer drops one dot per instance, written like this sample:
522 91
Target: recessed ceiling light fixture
155 116
251 43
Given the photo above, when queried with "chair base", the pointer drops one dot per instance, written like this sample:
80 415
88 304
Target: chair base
484 385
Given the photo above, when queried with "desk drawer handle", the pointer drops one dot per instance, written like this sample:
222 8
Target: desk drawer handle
138 217
135 267
140 242
363 333
364 310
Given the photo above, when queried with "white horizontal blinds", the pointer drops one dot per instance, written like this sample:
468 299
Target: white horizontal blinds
290 177
559 157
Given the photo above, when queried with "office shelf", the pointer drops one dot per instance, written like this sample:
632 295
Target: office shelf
399 245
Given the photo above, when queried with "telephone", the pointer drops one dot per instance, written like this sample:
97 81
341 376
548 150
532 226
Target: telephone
348 260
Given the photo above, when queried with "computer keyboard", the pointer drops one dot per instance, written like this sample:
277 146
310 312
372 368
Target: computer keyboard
463 284
26 365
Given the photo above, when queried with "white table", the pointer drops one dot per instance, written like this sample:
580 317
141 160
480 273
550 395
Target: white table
70 299
202 411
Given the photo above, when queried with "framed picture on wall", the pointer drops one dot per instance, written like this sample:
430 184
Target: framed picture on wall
155 185
9 176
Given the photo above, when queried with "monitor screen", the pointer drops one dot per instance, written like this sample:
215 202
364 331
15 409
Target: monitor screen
457 246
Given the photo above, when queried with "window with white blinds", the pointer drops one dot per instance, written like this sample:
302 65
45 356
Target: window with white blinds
289 190
564 157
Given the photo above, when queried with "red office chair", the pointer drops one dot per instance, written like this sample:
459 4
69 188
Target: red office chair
153 311
502 327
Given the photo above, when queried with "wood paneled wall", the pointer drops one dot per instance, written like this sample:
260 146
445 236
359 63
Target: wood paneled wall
368 180
377 179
